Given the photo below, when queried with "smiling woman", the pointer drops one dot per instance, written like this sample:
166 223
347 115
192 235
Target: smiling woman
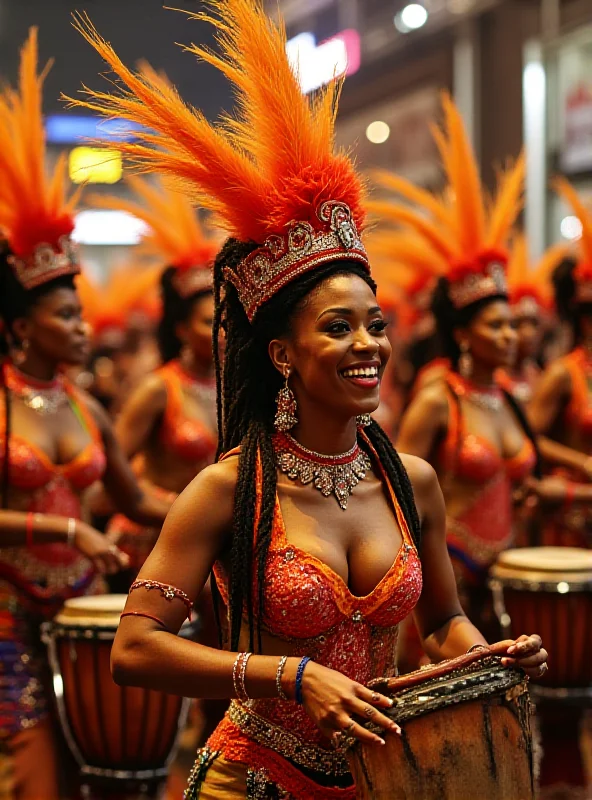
314 594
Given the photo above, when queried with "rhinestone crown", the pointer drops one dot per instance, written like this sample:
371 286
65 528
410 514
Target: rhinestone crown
281 259
45 264
478 285
192 280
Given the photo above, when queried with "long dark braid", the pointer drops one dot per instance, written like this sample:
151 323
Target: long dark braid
247 386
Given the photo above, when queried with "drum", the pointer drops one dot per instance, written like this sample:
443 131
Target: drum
466 734
112 731
548 590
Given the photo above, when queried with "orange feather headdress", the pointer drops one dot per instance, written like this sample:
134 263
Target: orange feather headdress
583 270
36 219
176 236
530 288
461 229
270 173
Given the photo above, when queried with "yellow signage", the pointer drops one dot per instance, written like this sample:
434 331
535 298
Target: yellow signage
92 165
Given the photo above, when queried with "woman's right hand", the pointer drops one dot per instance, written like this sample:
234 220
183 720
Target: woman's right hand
106 557
334 703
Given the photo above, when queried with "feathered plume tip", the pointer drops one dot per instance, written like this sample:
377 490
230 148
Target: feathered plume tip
531 286
460 228
583 271
175 235
270 173
35 216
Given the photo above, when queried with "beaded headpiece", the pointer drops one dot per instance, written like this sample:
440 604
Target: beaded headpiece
175 237
270 174
35 218
461 229
583 270
530 288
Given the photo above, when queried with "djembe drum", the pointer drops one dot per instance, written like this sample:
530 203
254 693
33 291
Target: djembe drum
113 732
466 734
549 590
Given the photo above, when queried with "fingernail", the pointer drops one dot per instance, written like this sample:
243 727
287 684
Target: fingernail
382 741
512 649
391 701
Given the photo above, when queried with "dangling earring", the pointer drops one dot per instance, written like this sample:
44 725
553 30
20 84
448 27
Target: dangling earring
363 420
285 416
20 355
465 362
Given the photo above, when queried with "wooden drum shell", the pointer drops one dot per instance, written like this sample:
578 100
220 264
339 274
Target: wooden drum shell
472 748
113 731
556 604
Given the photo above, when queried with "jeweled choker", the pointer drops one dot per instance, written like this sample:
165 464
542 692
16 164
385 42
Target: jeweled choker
490 399
337 475
44 397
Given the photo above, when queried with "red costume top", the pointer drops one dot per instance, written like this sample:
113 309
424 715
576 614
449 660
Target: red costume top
311 608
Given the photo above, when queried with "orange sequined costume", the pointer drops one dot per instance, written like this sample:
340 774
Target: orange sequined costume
191 440
484 529
35 581
309 607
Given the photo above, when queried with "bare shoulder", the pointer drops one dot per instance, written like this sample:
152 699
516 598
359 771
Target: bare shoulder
421 474
151 392
434 397
557 376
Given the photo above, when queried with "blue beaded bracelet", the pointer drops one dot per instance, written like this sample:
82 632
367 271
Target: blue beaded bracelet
299 674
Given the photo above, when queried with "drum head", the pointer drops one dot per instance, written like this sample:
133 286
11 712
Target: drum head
545 564
100 611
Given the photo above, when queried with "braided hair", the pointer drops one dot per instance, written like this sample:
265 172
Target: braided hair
175 309
448 319
15 302
247 386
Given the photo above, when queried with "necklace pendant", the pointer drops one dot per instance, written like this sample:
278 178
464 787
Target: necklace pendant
330 475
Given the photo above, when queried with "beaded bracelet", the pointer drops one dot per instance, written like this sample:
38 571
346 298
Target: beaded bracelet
29 529
278 678
168 592
238 676
299 673
474 647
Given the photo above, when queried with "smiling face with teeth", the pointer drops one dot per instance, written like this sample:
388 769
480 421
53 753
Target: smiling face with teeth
337 349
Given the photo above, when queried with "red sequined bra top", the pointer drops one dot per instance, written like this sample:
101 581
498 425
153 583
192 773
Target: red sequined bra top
29 467
579 409
190 439
311 608
474 458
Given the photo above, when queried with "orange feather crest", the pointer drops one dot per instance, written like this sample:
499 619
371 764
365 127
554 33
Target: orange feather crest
459 228
526 282
583 271
270 173
36 218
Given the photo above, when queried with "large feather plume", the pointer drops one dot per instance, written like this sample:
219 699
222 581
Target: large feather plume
175 236
271 164
34 208
460 225
569 194
534 281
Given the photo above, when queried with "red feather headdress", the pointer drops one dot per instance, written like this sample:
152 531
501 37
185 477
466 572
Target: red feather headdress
270 173
583 270
36 219
460 229
530 288
176 236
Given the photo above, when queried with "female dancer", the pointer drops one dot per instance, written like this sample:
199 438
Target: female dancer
474 434
55 441
560 407
530 295
280 518
169 422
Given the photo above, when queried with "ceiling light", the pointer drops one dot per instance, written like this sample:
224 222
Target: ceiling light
411 18
378 132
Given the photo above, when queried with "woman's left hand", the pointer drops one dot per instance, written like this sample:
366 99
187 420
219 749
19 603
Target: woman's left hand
528 653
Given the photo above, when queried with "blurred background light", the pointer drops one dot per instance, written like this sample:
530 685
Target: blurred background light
571 227
315 65
72 128
93 165
412 17
107 228
378 132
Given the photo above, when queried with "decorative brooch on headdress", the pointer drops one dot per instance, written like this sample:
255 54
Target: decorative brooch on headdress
462 232
270 174
35 217
175 236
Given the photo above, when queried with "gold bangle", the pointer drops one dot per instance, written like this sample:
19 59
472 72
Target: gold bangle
475 647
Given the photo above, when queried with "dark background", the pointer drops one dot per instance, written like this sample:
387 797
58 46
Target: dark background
136 28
